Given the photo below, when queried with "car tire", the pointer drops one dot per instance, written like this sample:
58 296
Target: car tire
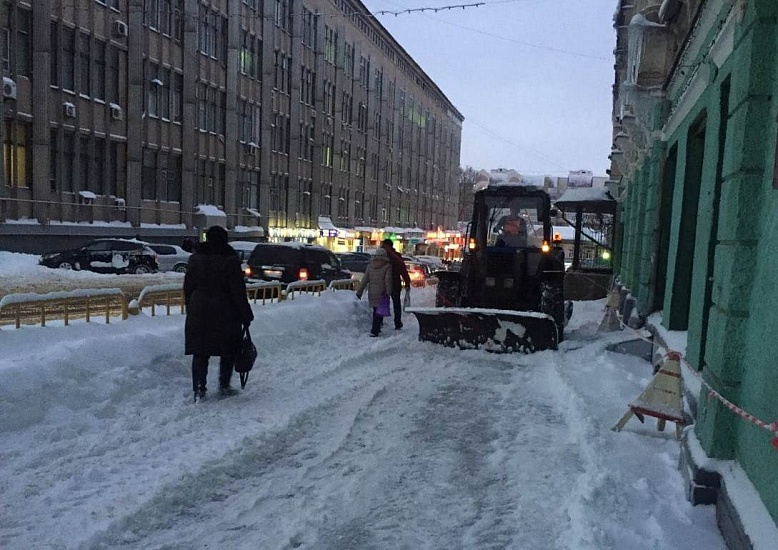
180 268
65 265
141 270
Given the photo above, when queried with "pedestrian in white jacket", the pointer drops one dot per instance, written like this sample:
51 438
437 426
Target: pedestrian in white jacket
378 281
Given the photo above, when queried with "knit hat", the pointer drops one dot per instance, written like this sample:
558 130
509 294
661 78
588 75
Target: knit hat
216 234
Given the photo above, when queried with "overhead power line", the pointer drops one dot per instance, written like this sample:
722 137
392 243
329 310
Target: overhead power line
498 137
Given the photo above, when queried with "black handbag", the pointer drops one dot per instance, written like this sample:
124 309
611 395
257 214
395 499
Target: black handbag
244 361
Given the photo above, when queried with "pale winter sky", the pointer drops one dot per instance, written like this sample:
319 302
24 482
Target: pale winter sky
338 441
532 77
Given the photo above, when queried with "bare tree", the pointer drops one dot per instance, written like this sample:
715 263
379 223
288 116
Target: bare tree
467 179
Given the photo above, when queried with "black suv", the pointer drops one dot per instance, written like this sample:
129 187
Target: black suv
106 256
354 261
288 262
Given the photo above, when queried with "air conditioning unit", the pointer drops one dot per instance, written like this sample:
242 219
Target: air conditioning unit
69 109
116 112
120 28
313 112
9 88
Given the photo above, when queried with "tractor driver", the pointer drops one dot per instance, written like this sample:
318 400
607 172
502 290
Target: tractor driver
512 228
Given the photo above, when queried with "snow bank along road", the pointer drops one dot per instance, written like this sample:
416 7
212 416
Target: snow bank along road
338 441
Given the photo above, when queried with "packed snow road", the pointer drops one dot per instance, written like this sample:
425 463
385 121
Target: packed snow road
338 441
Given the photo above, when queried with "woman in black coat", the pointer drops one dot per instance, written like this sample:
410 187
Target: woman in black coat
217 309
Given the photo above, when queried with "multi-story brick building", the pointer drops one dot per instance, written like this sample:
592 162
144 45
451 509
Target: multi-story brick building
280 112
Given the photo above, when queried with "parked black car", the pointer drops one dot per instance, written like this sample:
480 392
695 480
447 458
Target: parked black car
106 256
288 262
354 261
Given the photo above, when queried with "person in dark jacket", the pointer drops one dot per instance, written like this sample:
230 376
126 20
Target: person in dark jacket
399 275
217 309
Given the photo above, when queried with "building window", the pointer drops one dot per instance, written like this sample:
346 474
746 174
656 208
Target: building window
309 29
378 83
53 159
100 72
329 98
88 181
330 45
212 30
306 86
360 164
164 16
170 177
84 61
282 74
249 121
112 75
151 14
15 40
17 153
153 89
249 186
149 175
98 176
348 59
211 108
283 17
250 55
68 162
362 117
346 106
54 57
328 147
345 155
68 59
176 95
364 71
209 187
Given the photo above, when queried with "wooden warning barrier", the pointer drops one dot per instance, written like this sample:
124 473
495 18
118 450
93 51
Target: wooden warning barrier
32 309
661 399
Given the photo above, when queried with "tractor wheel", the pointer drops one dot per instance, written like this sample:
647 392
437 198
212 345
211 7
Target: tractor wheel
552 302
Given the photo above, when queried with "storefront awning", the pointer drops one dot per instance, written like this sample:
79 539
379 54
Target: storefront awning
326 227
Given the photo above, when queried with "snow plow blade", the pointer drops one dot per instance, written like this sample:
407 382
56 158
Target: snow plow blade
500 331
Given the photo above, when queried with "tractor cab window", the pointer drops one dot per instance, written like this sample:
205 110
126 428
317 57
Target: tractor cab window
514 222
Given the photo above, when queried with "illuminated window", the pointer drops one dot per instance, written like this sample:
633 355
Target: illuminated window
17 154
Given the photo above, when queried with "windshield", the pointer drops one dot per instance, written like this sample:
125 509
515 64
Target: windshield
514 221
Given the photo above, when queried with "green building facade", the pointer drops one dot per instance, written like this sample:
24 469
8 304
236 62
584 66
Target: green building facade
695 111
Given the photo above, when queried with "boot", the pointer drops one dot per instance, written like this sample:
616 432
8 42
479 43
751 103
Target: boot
227 391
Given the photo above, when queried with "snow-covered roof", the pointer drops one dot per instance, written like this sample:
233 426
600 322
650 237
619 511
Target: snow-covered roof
209 210
585 194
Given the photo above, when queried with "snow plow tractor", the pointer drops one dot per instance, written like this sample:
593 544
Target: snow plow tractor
508 295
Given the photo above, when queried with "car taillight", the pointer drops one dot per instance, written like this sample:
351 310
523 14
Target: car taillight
303 274
247 271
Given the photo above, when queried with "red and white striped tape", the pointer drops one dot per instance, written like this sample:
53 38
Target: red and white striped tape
771 427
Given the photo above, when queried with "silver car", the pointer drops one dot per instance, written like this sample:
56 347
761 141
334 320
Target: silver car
171 257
